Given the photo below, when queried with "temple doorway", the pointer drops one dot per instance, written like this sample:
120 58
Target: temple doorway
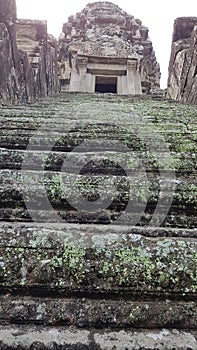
106 84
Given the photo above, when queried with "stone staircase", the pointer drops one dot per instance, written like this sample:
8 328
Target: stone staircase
98 224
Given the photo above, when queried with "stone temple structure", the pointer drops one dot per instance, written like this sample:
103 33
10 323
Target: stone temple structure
104 49
28 58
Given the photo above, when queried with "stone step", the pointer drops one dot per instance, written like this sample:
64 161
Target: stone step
98 278
90 107
98 313
176 219
43 191
136 139
53 234
181 163
56 338
88 263
67 122
95 103
129 120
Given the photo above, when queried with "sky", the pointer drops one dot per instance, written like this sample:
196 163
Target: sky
157 15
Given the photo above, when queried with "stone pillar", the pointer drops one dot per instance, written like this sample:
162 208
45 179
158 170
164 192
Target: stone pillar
122 88
82 63
182 81
8 11
74 81
8 16
9 87
74 77
90 82
138 83
133 78
78 81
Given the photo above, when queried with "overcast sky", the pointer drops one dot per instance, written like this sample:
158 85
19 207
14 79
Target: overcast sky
157 15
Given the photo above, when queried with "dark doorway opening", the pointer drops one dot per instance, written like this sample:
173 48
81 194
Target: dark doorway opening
106 84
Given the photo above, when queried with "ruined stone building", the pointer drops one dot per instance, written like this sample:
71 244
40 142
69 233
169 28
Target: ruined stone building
101 49
28 58
104 49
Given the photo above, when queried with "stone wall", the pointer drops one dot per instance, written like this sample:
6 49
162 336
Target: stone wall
8 79
41 55
182 81
104 41
28 58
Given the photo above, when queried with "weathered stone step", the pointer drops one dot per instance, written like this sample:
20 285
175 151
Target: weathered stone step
69 191
57 338
98 313
44 138
90 110
61 141
96 105
181 163
108 272
176 219
90 103
27 235
131 264
69 122
133 139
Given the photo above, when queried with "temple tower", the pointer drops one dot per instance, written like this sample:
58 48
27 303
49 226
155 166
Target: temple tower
104 49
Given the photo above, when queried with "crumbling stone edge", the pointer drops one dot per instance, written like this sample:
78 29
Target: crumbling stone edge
36 337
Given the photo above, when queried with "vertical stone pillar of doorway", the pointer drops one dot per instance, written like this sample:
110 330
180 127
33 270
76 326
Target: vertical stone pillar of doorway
82 63
133 78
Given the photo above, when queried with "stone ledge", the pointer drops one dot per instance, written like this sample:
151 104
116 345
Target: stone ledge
102 263
66 142
26 337
174 221
114 312
184 164
50 235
